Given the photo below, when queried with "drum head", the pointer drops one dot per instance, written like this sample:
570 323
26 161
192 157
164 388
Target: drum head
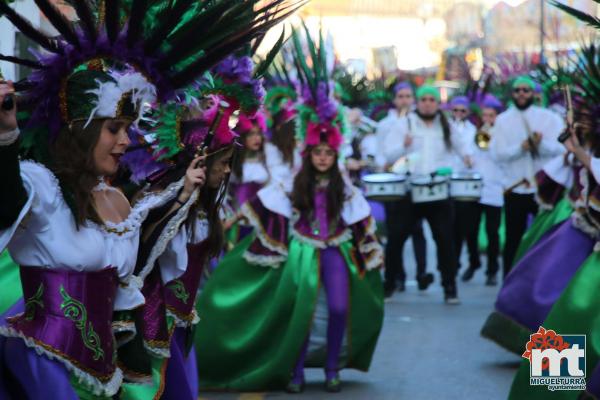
383 178
424 180
466 176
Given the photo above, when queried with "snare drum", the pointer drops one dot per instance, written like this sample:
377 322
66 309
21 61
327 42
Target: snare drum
384 187
425 189
466 187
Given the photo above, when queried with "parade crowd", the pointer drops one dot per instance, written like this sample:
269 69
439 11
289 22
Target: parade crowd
180 214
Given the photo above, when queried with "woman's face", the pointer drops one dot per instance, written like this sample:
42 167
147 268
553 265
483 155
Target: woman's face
220 169
112 143
254 139
322 157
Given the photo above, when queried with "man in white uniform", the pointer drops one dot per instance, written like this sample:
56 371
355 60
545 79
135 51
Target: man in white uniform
427 139
395 274
466 213
523 140
492 198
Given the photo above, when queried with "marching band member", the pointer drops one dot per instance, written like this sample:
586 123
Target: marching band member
395 275
428 141
492 197
466 213
524 138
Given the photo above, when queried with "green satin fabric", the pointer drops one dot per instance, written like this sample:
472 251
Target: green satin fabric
542 223
131 391
232 236
10 282
576 312
254 319
482 239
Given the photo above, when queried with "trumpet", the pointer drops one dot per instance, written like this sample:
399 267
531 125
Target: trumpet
483 137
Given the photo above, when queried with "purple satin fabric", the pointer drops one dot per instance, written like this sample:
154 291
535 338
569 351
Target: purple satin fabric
66 299
549 191
34 376
182 374
183 306
536 282
244 192
153 313
324 232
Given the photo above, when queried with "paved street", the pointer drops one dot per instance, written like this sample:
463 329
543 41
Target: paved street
427 350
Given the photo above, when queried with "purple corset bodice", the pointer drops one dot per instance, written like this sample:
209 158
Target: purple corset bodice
69 314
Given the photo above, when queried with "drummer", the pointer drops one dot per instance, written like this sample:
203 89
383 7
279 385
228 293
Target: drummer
524 138
395 275
466 213
492 199
427 140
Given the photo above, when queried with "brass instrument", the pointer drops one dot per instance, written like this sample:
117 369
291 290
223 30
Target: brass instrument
483 137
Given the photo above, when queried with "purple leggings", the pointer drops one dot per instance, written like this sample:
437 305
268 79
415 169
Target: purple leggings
334 275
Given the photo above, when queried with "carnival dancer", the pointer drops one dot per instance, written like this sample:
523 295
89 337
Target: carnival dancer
425 137
99 240
492 198
250 172
466 213
75 236
262 311
282 154
395 275
577 308
539 278
524 138
159 358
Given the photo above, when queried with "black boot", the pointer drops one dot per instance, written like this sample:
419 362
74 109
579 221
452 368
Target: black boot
423 281
401 286
451 295
468 274
491 280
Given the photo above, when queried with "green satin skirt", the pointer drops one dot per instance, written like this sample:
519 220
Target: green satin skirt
255 319
576 312
543 222
10 282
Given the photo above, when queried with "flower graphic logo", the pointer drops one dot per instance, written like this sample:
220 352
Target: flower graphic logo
545 339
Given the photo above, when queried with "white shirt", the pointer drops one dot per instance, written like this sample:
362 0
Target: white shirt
253 170
508 134
279 170
492 175
428 151
45 235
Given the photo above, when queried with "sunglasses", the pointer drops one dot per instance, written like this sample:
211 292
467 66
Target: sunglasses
521 90
459 110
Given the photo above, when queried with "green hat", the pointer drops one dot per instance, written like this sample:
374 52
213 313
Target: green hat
426 90
524 80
